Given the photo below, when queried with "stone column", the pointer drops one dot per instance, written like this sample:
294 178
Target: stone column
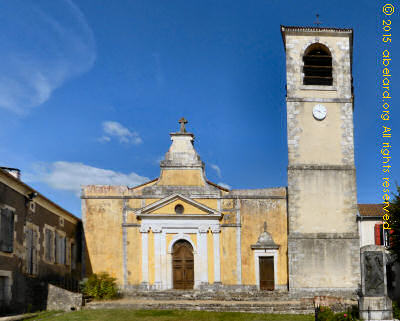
215 230
203 229
157 256
144 229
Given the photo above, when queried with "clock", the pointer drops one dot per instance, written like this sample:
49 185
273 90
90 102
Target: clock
319 112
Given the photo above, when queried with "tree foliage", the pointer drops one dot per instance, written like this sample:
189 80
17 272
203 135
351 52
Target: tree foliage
394 223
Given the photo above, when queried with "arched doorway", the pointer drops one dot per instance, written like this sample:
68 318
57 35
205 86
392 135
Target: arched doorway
183 265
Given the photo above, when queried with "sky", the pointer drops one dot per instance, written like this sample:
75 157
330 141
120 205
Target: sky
90 90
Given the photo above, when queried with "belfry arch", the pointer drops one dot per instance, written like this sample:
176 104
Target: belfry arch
317 67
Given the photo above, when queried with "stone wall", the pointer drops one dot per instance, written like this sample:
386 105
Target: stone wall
59 299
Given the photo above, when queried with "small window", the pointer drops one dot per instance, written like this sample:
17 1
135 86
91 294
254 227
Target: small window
382 236
179 209
317 66
6 230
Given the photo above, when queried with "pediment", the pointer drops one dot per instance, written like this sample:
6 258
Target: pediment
166 206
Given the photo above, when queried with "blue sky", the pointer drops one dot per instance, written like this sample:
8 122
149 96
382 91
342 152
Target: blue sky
90 90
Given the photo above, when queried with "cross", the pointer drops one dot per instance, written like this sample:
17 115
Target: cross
265 226
317 22
183 121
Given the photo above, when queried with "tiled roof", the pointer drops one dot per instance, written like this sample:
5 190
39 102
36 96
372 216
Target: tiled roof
371 209
301 28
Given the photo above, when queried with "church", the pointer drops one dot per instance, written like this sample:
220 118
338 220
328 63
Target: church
181 231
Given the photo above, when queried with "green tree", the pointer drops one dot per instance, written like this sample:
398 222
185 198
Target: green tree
392 209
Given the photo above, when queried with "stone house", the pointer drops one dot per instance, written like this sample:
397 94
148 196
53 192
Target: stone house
370 221
40 242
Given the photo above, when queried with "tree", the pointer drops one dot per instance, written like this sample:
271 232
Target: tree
392 209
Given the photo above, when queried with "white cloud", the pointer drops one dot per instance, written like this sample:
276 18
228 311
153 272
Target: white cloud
104 139
217 169
224 185
70 176
43 45
124 135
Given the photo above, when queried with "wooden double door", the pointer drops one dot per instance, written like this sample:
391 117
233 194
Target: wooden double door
267 273
183 265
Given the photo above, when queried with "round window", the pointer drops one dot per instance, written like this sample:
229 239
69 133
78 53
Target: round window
179 209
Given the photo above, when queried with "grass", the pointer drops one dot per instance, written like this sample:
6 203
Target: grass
161 315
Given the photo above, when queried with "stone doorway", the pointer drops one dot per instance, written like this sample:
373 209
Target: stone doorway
183 265
266 273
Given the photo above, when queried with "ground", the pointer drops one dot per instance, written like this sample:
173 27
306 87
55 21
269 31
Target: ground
153 315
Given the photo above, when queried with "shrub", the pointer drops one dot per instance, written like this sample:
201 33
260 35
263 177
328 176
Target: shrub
326 314
100 286
396 310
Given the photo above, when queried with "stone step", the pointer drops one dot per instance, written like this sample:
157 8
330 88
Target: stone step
282 307
208 295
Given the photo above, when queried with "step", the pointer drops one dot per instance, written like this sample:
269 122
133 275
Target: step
210 295
282 307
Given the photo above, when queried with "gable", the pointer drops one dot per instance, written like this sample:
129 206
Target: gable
170 208
166 206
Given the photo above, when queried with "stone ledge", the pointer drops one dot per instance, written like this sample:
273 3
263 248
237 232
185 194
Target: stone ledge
322 167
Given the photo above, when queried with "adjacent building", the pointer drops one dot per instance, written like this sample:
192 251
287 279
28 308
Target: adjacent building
40 242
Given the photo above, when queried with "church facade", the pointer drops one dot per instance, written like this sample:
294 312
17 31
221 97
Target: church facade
181 231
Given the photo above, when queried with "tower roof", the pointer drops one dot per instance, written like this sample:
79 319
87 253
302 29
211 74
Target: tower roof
313 30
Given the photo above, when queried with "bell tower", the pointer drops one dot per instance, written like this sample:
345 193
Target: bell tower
323 244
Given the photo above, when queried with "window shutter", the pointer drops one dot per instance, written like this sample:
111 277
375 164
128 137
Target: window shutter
6 230
48 245
29 251
73 256
3 230
34 253
58 252
64 240
378 239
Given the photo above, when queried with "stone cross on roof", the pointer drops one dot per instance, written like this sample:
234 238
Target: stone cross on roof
183 121
317 22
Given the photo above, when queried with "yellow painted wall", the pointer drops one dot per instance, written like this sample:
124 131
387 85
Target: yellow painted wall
316 134
134 255
103 218
149 201
210 251
209 202
228 255
187 177
253 214
170 208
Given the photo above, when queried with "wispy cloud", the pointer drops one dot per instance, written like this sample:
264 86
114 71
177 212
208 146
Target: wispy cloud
224 185
217 169
70 176
43 45
117 130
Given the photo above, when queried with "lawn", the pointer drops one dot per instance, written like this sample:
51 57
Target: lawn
153 315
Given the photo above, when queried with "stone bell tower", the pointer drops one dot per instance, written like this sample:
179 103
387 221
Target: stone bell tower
323 244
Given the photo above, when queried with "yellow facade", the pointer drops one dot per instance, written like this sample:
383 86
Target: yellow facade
131 232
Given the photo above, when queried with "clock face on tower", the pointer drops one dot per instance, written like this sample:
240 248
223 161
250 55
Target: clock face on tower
319 112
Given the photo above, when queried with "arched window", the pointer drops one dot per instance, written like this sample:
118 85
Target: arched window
317 65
